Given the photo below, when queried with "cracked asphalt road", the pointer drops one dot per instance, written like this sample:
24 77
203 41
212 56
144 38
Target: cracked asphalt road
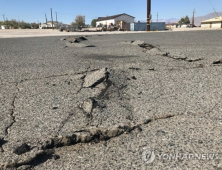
108 101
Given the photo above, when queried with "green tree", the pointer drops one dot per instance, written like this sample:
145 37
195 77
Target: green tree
34 25
13 23
185 20
24 25
80 21
93 23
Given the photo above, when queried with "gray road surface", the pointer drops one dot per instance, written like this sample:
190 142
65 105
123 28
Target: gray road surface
127 101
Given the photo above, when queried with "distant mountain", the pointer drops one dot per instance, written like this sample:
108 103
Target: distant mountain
197 20
171 20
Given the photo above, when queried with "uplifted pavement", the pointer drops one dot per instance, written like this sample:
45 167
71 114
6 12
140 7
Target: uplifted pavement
127 101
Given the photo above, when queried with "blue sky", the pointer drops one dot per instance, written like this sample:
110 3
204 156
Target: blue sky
35 10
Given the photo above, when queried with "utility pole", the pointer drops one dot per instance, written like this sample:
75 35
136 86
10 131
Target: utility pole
157 16
4 17
193 18
56 21
45 19
52 19
148 14
18 21
84 21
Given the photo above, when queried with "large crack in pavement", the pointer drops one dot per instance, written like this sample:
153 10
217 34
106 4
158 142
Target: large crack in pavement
92 135
92 79
7 129
44 147
100 89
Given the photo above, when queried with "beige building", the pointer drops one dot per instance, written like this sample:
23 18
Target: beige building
212 23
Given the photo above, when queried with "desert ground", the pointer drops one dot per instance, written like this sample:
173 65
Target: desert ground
22 33
148 100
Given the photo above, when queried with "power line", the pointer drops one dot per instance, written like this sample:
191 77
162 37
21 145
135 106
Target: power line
213 8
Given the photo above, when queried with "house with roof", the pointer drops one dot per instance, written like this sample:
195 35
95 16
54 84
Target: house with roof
212 23
51 24
114 20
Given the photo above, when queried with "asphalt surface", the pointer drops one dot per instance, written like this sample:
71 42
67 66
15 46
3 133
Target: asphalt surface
126 101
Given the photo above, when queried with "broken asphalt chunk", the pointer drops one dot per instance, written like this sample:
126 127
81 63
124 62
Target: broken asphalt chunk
88 105
82 38
95 78
176 56
146 46
137 42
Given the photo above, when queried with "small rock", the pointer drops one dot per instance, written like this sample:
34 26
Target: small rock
134 78
54 108
87 105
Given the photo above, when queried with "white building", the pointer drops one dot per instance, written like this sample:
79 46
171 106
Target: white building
212 23
50 25
113 20
4 27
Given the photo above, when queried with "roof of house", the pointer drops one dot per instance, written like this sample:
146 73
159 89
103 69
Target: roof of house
217 19
112 17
